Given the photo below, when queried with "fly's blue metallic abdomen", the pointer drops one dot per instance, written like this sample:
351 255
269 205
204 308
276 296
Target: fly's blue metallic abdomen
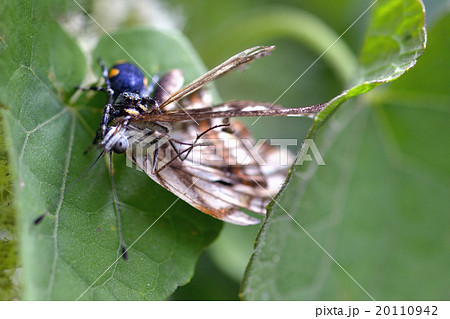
125 77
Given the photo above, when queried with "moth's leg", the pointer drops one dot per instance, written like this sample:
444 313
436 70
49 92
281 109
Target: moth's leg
200 135
172 142
174 147
184 154
155 142
155 157
177 151
164 132
179 155
170 162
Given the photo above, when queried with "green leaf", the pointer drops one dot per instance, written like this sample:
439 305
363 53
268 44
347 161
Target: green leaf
267 22
368 224
72 253
9 289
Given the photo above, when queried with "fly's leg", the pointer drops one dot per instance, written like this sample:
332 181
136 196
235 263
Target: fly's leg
107 111
107 89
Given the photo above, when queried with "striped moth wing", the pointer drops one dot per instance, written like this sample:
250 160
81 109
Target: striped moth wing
222 173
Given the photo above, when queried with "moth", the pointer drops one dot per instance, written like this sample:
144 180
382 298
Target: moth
188 145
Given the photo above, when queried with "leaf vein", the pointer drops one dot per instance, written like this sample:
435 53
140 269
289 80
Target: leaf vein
58 209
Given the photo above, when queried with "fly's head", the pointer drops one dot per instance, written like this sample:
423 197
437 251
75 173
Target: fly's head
128 100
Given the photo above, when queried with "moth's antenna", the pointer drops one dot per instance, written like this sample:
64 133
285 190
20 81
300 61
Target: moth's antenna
116 205
41 217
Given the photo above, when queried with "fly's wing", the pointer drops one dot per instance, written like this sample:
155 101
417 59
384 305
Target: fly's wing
224 173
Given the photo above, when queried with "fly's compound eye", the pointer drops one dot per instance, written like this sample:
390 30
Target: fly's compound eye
121 145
